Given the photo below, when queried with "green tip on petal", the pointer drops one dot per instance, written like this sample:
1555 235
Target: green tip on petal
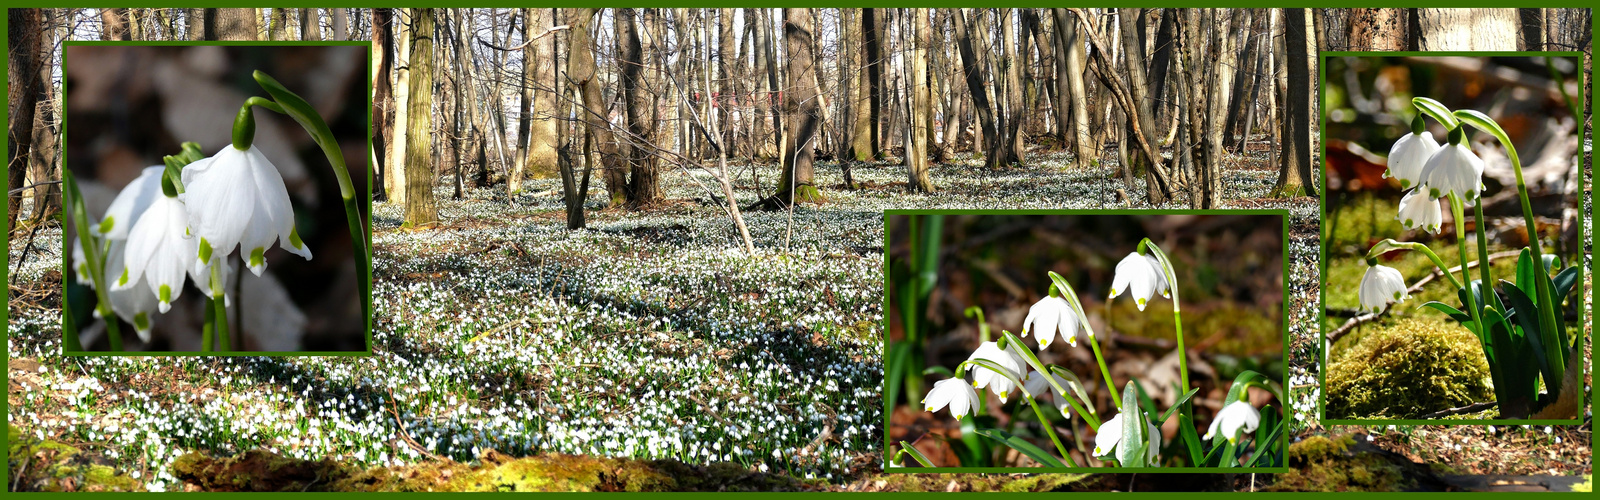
1409 224
1141 301
256 257
1433 192
106 225
1405 184
205 250
1397 295
165 295
294 238
141 321
123 281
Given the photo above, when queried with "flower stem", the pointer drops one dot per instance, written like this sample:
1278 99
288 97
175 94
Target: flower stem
1461 241
91 253
1483 249
219 303
208 330
1388 245
1049 429
1002 371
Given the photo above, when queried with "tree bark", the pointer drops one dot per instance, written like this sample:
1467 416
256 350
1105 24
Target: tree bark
1070 42
1133 60
1296 159
43 164
1466 29
542 138
1161 61
278 28
872 45
341 24
310 27
525 107
644 186
196 26
581 70
727 96
382 98
232 24
25 57
1238 104
1015 150
802 115
1376 29
402 99
419 202
972 61
921 99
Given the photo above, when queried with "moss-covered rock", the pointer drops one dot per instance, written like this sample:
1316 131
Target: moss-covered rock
970 482
257 470
50 465
1413 369
1321 463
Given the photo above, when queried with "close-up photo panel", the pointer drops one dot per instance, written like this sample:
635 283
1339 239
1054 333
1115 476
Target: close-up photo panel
1224 247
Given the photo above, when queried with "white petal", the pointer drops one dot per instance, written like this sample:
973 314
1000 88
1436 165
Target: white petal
157 251
1105 441
130 203
222 200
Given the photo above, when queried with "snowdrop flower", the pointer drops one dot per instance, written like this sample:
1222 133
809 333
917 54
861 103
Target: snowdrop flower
986 378
1143 274
953 392
1454 169
1233 418
130 203
1381 286
1036 384
1417 209
238 199
132 304
158 252
1110 435
1409 154
1051 314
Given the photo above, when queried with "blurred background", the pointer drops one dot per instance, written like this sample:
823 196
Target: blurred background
1367 101
1230 281
128 106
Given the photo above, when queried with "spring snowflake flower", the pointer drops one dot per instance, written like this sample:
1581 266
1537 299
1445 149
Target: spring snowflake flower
1454 169
1036 384
238 199
1417 209
1381 286
1407 157
953 392
1237 416
1051 314
986 378
1110 435
130 203
1142 274
158 253
133 304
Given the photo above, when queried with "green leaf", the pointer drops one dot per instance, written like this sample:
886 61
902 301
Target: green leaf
1022 446
1449 310
1565 281
1145 403
1527 316
1437 111
1482 122
1131 448
907 449
1526 274
1266 440
1191 437
1175 405
895 377
1230 457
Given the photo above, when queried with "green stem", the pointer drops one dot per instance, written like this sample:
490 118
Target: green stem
219 303
91 253
1461 241
1048 428
1101 360
1387 245
1177 320
1483 250
208 330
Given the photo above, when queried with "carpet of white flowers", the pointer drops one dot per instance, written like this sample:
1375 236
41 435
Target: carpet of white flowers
650 334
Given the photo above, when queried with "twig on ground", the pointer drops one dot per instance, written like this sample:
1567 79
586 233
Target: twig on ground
1472 408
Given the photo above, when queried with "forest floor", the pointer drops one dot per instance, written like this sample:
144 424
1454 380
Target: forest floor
647 336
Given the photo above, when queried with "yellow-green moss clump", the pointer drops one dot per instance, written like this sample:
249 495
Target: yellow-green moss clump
264 471
55 466
1320 463
1413 368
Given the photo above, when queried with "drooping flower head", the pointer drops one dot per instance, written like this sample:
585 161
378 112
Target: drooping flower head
985 378
953 392
158 253
1409 153
1142 275
130 203
1233 420
1380 286
237 198
1050 315
1418 210
1454 169
1038 384
134 304
1111 435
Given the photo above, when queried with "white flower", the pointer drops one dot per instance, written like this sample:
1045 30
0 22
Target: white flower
1110 435
1454 169
238 198
954 392
130 203
1407 156
1036 384
157 252
986 378
133 304
1143 274
1051 314
1381 286
1237 416
1417 209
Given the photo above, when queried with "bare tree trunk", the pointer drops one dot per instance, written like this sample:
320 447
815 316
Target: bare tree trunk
524 123
310 27
872 45
43 156
383 98
402 98
1296 106
25 58
278 28
727 96
973 59
196 28
801 110
232 24
542 133
1237 105
1070 43
581 70
725 48
1133 61
1225 58
1160 62
1466 29
1014 148
644 184
419 125
921 100
1376 29
341 24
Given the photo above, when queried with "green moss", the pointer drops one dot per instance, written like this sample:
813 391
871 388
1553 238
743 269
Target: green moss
56 466
1415 368
1586 486
1239 331
256 470
974 482
1321 463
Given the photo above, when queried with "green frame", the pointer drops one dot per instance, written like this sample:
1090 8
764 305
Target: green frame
1285 406
1322 264
367 201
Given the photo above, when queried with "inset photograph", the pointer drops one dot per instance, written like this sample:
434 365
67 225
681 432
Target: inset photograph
1085 340
1436 165
215 198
